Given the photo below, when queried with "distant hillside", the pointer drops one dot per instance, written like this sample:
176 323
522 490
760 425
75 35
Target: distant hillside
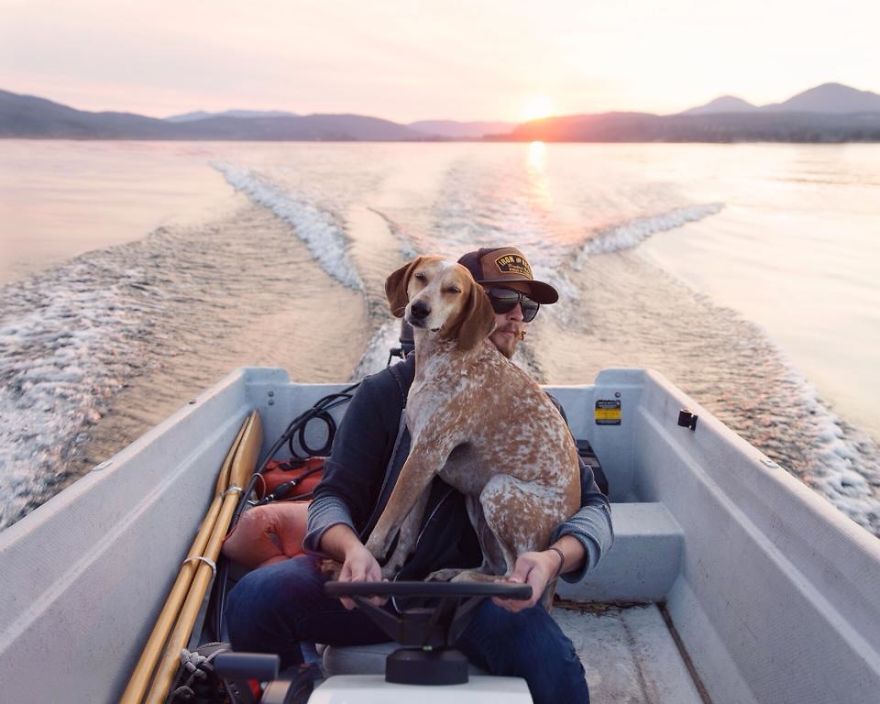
722 127
828 113
452 129
29 116
26 116
243 114
829 98
726 103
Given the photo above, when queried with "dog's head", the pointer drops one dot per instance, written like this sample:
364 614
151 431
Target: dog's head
441 296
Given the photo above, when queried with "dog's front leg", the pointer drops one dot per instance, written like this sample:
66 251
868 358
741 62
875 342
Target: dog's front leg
415 477
409 533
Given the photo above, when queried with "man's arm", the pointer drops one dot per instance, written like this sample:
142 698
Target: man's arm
355 469
358 565
591 526
351 480
540 568
581 542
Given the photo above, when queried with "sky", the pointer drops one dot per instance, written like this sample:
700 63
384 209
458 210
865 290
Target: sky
406 60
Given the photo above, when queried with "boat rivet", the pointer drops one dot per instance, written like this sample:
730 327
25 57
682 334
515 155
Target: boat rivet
271 402
616 394
271 394
770 463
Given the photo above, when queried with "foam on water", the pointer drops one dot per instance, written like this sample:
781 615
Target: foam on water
69 339
385 337
842 462
633 232
85 332
97 350
633 314
408 247
321 230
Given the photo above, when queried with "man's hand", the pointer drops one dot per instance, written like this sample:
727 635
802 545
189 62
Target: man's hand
539 569
358 563
360 566
536 569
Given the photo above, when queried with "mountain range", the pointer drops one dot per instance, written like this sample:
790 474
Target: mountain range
831 112
833 98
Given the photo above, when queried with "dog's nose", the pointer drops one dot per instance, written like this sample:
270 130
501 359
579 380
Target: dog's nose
420 310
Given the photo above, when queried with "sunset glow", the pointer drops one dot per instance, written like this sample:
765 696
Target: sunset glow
406 61
537 107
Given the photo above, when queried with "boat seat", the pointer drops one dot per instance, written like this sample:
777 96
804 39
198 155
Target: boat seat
643 563
365 659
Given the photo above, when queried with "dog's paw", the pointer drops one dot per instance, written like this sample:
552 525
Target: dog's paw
476 576
446 575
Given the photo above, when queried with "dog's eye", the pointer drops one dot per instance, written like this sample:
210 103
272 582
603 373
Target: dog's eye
420 276
453 289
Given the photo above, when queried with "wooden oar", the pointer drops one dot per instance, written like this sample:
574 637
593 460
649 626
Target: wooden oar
243 465
140 678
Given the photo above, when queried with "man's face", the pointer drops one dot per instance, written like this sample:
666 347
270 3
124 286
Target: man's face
508 331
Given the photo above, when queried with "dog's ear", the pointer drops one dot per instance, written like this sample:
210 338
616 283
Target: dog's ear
475 321
396 285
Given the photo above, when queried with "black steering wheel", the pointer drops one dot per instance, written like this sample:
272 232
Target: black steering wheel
427 631
429 590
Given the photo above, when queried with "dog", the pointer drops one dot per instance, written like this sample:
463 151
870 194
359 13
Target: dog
478 421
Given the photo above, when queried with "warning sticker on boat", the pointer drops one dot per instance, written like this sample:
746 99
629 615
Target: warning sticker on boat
607 413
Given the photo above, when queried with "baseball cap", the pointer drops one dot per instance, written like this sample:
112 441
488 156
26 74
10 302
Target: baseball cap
507 267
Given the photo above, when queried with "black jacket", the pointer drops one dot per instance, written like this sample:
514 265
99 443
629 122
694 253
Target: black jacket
369 450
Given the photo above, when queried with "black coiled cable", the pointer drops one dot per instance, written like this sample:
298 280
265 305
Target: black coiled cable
297 427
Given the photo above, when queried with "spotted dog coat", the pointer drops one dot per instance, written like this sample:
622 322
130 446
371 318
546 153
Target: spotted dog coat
478 421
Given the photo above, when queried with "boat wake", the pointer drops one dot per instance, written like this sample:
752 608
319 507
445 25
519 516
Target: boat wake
633 314
841 462
321 230
95 351
69 340
635 231
288 282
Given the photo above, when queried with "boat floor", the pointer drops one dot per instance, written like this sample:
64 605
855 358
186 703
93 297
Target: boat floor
629 653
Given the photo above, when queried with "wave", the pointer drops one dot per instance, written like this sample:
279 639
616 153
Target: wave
385 337
843 462
319 229
69 340
408 248
637 230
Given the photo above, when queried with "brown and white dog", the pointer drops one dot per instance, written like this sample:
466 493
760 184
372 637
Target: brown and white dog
478 421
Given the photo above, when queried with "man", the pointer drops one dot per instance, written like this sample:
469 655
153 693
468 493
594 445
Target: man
277 607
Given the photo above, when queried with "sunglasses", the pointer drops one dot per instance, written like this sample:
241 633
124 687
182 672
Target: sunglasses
504 300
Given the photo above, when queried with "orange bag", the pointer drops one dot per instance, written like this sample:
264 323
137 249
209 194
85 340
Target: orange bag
300 476
267 534
275 531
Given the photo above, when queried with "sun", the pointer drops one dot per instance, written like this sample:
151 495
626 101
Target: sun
536 107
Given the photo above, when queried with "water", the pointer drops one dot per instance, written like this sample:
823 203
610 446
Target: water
136 274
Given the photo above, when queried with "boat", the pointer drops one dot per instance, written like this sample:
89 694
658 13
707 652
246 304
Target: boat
729 580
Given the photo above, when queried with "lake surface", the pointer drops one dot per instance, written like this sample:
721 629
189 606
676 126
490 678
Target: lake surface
134 274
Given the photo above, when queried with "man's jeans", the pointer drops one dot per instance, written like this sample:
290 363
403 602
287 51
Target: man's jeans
274 608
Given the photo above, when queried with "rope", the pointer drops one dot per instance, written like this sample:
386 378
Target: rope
208 561
199 668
